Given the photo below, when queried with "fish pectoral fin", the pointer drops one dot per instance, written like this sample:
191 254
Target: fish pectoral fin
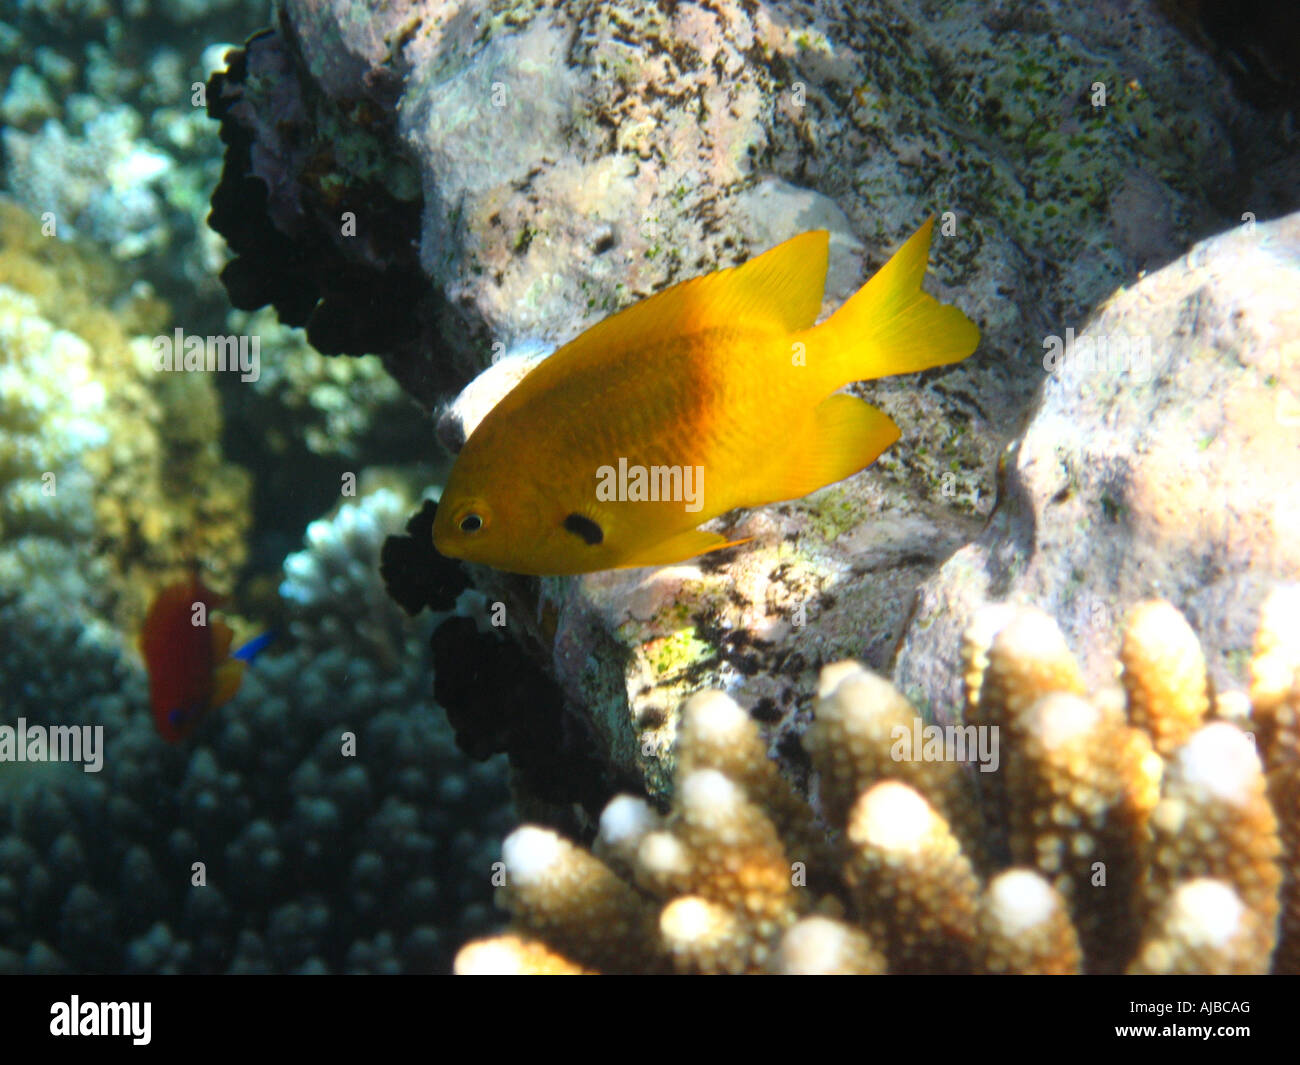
849 435
226 679
679 548
222 635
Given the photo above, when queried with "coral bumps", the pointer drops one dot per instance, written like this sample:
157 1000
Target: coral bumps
1134 828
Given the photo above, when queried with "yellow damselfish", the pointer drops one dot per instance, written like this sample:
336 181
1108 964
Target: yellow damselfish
717 393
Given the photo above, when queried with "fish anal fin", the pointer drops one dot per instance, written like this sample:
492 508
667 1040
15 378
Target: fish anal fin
848 435
679 548
226 679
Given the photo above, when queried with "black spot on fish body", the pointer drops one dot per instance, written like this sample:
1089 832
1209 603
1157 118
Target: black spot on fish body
581 525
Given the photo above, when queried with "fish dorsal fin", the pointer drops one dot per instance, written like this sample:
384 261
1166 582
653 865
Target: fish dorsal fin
780 290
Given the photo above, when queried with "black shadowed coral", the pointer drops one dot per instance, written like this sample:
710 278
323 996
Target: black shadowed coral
1133 829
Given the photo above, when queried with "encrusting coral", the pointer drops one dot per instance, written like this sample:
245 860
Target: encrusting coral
112 478
1134 828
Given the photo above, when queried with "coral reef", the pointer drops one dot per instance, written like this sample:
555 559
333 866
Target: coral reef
1159 461
429 185
496 697
107 136
104 132
318 206
565 158
1151 459
1095 853
112 480
338 827
101 184
345 409
334 600
326 813
580 158
312 860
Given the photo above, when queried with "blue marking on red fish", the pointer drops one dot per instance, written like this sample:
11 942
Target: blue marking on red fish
256 646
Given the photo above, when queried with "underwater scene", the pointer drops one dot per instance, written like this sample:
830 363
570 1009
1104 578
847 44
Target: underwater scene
707 486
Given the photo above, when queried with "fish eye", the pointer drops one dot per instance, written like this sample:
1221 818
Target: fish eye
471 523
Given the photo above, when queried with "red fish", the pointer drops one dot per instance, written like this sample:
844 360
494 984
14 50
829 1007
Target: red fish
187 653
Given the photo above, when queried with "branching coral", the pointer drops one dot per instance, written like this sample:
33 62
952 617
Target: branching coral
330 588
328 803
100 179
1129 829
103 130
1275 696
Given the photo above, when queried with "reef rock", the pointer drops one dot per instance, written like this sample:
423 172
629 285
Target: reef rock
561 162
570 160
1161 460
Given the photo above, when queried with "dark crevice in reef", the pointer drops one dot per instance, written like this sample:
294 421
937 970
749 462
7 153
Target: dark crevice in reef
496 697
333 250
295 163
1256 41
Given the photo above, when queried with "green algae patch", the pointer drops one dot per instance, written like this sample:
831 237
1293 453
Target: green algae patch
678 652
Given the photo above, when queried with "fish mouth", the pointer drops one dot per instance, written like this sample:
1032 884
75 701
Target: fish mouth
445 545
441 548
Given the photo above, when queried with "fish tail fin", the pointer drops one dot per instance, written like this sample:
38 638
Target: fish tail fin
226 679
890 326
227 673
